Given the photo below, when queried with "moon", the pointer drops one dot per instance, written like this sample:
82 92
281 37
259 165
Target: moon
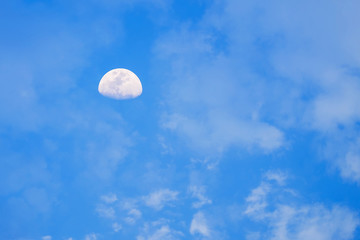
120 84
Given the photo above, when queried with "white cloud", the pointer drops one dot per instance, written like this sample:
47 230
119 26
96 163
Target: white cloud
287 220
313 222
350 168
342 149
244 83
105 211
279 177
133 215
257 201
129 204
116 227
212 104
349 164
199 225
161 234
48 237
110 198
160 198
135 212
221 131
199 193
91 236
337 104
159 230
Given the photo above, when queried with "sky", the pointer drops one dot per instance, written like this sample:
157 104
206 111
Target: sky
248 126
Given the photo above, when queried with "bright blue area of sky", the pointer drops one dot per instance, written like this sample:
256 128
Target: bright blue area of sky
247 127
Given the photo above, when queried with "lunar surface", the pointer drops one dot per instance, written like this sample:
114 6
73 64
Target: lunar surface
120 83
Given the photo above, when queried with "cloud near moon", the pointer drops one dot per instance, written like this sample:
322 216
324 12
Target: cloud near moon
120 84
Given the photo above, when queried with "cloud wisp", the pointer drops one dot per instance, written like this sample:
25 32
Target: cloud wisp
287 219
160 198
250 84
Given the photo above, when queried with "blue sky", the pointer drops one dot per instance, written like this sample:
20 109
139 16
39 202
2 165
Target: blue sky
247 128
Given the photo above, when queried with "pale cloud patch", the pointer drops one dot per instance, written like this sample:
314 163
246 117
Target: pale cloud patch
129 203
160 198
159 230
198 192
350 164
199 225
38 198
338 104
130 210
344 147
116 227
278 177
220 131
165 145
209 162
210 105
257 202
110 198
289 221
253 236
135 212
105 211
133 215
227 91
108 208
91 236
314 222
48 237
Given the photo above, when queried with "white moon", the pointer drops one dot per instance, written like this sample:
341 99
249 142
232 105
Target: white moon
120 83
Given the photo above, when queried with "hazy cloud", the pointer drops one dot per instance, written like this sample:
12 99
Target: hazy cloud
198 192
105 211
288 220
110 198
91 236
199 225
116 227
159 230
247 83
160 198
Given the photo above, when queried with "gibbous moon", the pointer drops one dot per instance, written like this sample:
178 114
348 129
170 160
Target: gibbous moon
120 83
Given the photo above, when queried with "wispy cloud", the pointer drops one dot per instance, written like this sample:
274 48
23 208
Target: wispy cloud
288 220
105 211
133 215
212 104
199 225
198 192
110 198
159 230
249 83
257 202
160 198
91 236
116 227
